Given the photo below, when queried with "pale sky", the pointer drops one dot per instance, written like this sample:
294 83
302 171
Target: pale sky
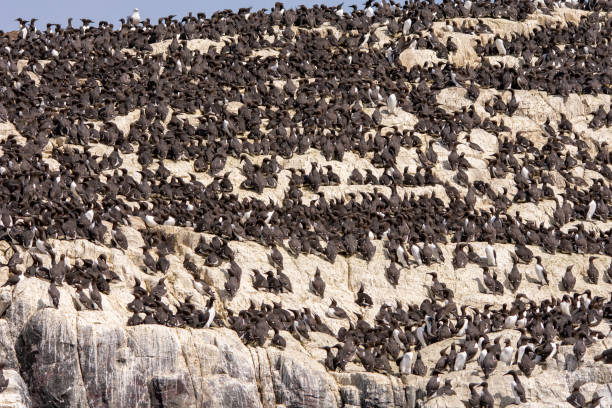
58 11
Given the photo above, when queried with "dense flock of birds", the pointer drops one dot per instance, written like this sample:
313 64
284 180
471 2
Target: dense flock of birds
337 79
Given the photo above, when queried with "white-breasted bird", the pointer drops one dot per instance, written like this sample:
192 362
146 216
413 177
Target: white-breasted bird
89 215
401 255
506 353
522 321
135 17
499 44
525 172
389 55
405 364
150 221
416 253
210 312
591 210
518 391
420 335
392 103
460 359
490 252
482 355
541 272
510 322
463 328
406 27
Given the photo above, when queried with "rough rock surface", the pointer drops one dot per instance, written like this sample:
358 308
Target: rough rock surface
74 357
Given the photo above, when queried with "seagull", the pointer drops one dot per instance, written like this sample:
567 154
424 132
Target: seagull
135 17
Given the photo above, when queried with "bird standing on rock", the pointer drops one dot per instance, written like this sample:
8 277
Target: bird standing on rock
568 281
363 299
490 252
576 399
335 311
592 272
318 284
474 400
517 388
391 104
135 17
541 272
486 399
515 277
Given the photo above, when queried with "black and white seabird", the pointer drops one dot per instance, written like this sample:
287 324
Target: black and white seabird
336 312
486 399
517 388
474 400
363 299
541 272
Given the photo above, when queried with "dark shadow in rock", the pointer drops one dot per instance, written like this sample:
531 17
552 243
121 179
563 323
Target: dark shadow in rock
504 400
481 287
166 392
47 358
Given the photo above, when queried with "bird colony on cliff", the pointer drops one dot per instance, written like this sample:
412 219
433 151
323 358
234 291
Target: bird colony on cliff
415 195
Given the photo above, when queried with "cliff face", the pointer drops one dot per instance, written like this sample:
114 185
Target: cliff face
88 352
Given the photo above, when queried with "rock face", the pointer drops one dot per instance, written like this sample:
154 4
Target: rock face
145 175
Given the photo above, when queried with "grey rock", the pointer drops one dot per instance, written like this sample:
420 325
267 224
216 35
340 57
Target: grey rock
47 354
